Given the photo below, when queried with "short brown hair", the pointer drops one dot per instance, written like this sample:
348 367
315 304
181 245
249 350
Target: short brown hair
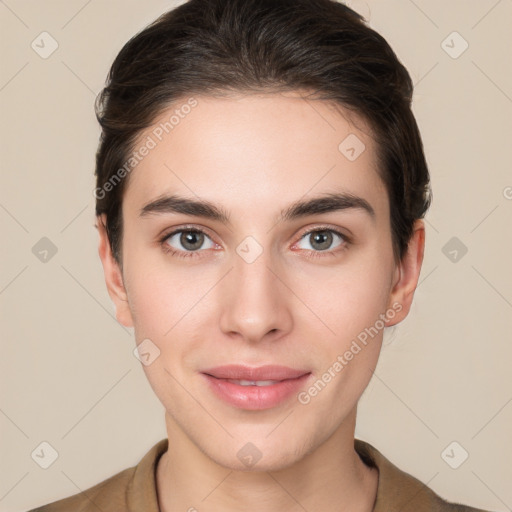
217 46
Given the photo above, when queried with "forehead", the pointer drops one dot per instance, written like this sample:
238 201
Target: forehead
264 146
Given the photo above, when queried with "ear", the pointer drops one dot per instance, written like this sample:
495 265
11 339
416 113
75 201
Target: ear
407 273
113 275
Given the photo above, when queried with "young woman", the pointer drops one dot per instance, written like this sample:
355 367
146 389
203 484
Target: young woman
261 185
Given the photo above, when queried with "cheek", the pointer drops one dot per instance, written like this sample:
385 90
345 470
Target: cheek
162 303
160 294
347 300
173 308
166 307
347 351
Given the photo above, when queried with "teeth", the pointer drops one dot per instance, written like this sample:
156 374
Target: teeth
253 382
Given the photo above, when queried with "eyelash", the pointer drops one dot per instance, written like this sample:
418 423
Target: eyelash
310 253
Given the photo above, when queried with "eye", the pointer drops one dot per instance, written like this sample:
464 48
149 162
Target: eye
322 240
183 241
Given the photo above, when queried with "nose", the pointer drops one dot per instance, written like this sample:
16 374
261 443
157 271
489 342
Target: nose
255 300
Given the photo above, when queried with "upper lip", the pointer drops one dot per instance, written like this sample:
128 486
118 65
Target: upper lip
266 372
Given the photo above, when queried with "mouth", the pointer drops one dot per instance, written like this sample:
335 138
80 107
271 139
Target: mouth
252 388
253 382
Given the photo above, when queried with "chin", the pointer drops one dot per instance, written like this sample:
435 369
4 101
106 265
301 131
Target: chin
270 462
259 453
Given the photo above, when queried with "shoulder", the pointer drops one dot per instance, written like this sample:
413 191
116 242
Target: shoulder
398 490
129 490
103 496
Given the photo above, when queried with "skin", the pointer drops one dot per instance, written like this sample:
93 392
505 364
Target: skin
254 155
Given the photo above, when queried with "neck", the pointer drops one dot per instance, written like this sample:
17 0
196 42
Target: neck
332 477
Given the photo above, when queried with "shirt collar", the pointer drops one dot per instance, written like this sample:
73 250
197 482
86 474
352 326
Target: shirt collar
396 488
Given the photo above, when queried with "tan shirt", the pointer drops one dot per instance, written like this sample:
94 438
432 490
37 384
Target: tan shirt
134 489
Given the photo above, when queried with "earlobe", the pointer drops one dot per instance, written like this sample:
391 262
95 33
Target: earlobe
113 275
407 274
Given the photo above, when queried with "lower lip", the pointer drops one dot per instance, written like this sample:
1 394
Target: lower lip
255 398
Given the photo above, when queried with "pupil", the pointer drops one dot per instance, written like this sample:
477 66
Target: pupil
322 238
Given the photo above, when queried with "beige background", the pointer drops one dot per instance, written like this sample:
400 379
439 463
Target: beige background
68 375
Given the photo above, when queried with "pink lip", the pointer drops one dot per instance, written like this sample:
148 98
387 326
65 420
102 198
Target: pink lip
255 397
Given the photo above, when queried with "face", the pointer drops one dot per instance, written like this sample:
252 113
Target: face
257 235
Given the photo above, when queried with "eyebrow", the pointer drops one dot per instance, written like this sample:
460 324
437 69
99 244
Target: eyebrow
201 208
